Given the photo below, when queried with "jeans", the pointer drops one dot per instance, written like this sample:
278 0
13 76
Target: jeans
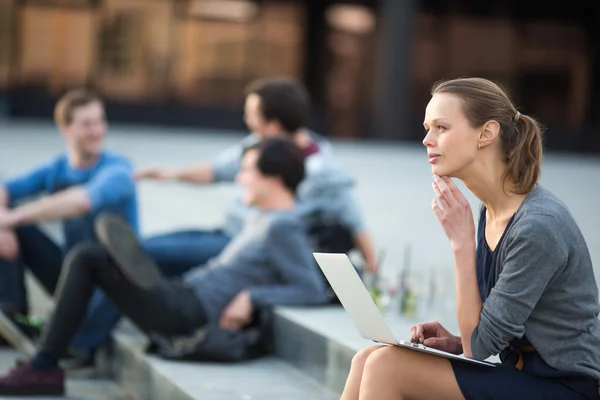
44 259
178 252
169 308
175 254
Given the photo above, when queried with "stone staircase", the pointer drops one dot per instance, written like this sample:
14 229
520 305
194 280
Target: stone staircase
314 348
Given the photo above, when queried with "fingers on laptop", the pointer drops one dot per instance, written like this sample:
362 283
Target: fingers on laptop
416 334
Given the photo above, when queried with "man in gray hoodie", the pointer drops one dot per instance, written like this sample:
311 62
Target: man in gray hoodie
273 107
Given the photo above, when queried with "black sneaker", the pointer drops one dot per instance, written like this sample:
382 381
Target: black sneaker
121 242
30 327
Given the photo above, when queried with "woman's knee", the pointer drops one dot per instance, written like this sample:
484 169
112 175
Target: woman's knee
360 358
385 360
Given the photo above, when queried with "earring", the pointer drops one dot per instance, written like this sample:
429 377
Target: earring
479 145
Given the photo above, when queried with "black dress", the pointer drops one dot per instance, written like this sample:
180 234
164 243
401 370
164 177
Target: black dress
536 379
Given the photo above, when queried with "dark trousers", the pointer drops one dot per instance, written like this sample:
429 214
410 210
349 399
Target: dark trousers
41 255
175 253
170 308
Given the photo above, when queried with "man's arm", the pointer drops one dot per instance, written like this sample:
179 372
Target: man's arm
9 245
290 254
224 169
197 174
25 185
14 189
364 244
109 187
344 207
351 216
62 205
3 198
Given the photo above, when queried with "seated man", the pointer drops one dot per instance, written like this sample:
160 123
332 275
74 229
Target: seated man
268 263
273 107
78 184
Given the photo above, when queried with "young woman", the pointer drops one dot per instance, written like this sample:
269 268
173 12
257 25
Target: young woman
525 288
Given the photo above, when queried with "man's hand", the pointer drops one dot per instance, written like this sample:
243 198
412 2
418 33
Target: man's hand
9 245
158 174
371 265
238 312
8 219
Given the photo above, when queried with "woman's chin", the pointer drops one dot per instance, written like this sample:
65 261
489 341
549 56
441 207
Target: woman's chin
440 171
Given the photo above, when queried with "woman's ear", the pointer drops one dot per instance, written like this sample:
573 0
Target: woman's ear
489 133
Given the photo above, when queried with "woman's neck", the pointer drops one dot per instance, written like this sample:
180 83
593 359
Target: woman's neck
487 184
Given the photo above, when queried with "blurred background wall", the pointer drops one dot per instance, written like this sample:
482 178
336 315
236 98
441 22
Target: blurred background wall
368 64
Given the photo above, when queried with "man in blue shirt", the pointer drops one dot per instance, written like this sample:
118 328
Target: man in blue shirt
76 186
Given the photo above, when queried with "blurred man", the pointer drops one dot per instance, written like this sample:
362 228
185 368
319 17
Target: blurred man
268 263
75 187
273 107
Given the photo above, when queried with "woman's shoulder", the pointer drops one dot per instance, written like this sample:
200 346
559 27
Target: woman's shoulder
545 219
543 207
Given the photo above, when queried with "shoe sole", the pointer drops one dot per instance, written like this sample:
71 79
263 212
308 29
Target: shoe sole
122 244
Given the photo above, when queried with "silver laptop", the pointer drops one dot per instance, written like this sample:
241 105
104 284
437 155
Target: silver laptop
361 308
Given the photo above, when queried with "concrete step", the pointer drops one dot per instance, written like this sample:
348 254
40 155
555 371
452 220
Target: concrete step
320 342
151 378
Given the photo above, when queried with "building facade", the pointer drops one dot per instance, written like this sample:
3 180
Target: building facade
368 64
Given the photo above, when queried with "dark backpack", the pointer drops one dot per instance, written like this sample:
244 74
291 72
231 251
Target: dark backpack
214 344
328 235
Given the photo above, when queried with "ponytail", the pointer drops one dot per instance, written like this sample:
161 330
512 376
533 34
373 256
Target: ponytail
524 160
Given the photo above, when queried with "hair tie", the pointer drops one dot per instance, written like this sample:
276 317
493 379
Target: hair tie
517 116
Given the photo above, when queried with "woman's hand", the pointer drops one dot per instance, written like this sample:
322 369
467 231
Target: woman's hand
455 213
434 335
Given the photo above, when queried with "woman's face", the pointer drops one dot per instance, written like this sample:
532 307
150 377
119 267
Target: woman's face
452 143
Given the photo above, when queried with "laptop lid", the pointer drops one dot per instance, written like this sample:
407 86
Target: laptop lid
355 297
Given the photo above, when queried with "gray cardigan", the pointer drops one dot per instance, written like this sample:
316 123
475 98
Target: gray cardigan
545 289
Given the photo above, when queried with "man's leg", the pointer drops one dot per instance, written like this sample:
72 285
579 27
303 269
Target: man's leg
167 307
163 308
100 319
43 257
13 294
178 252
175 253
